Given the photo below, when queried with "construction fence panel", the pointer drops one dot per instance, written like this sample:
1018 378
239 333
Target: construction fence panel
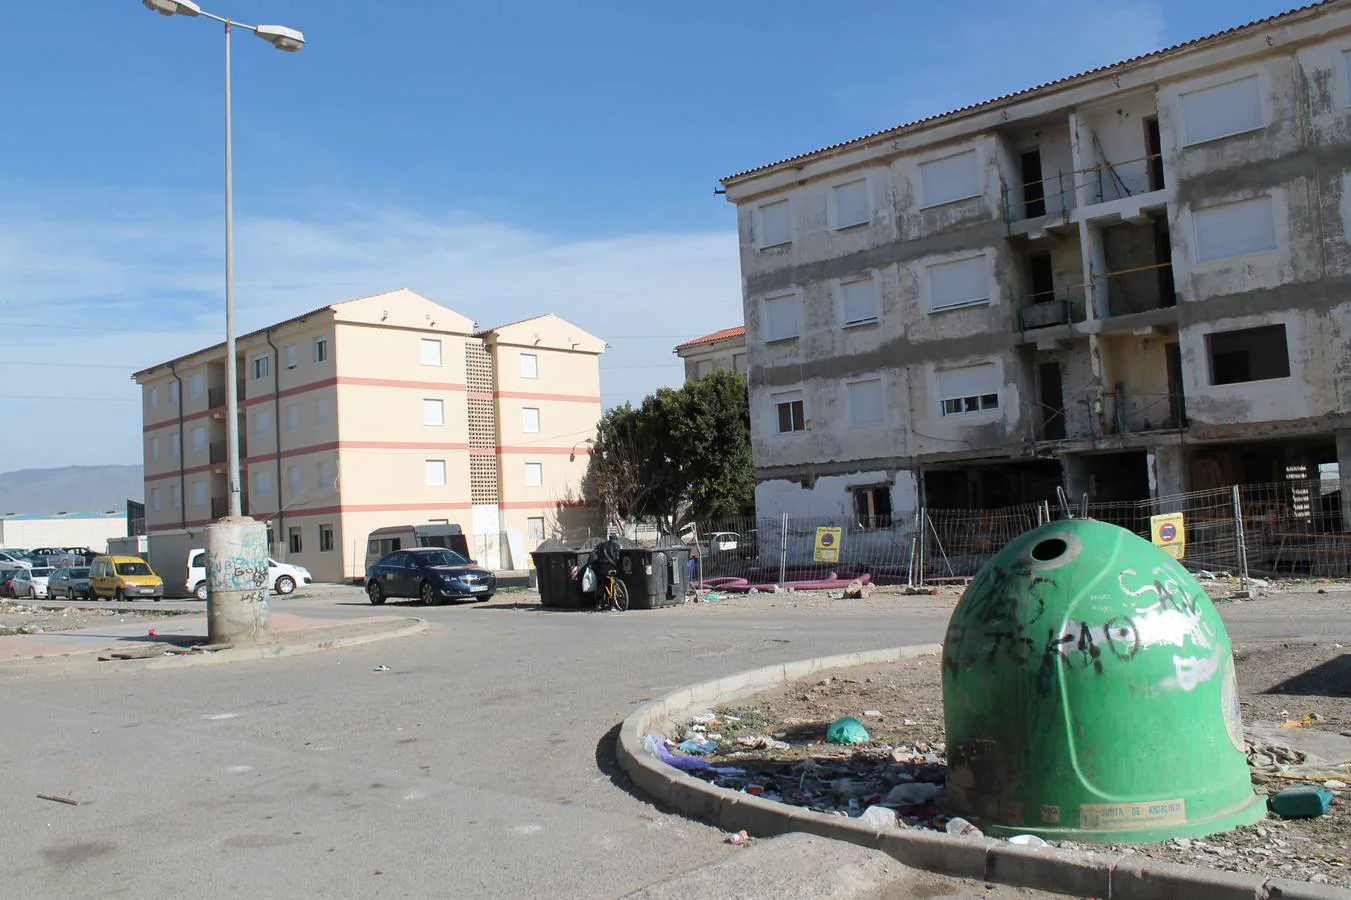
1297 528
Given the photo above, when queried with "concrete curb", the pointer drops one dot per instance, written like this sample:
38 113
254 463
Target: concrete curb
87 662
1079 873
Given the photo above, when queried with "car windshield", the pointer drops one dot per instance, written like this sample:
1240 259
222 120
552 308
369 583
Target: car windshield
133 569
77 573
443 558
41 572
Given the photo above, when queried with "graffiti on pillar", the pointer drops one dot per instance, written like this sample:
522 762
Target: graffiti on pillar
245 569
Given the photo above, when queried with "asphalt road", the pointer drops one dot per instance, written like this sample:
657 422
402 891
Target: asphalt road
479 766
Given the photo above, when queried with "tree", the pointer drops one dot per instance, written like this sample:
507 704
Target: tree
685 453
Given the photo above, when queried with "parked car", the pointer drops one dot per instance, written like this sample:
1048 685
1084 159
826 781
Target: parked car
15 558
55 557
7 577
30 582
283 578
429 574
70 583
124 578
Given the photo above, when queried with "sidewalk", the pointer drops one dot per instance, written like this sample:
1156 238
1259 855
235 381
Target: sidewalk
67 652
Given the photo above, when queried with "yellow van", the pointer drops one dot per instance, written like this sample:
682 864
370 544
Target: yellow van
124 578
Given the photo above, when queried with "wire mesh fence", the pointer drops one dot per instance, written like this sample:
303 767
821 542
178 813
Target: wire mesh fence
1294 528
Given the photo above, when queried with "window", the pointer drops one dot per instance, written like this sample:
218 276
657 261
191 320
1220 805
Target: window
959 283
292 417
529 365
850 203
1234 229
776 227
175 496
325 538
262 365
288 354
154 448
739 363
320 349
971 389
262 423
199 493
1249 354
326 475
196 387
264 483
154 398
534 474
154 498
323 410
950 178
293 479
431 352
435 472
866 403
790 412
293 540
530 420
173 393
872 506
433 412
198 439
173 443
1221 111
858 301
782 317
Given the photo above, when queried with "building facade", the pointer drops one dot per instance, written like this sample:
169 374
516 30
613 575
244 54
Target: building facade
725 349
1130 282
385 410
32 530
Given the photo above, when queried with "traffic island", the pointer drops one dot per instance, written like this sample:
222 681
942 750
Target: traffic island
182 642
798 701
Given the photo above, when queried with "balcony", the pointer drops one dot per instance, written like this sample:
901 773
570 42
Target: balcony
1126 412
1134 185
1136 290
215 397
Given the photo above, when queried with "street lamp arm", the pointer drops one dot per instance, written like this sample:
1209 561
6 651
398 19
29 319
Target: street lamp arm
279 36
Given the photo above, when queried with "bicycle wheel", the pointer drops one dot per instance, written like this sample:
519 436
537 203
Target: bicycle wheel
621 596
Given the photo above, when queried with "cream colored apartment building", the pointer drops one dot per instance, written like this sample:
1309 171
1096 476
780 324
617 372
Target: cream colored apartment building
384 410
724 349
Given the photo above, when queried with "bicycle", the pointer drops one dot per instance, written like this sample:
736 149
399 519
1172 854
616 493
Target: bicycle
614 594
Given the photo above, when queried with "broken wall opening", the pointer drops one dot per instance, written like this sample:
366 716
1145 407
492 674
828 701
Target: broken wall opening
992 486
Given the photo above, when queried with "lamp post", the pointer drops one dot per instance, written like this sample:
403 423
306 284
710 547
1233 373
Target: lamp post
237 591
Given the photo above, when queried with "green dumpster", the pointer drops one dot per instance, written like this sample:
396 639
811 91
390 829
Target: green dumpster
1089 694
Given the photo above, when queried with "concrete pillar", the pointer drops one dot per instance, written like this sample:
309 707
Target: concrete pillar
1075 470
236 577
1167 476
1344 473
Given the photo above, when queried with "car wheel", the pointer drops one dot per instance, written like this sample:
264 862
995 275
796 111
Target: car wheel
118 596
286 584
32 593
373 591
200 591
428 593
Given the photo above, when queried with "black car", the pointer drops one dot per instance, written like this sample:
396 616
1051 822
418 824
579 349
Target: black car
429 574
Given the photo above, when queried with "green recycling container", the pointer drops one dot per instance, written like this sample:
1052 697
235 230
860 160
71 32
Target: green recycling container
1089 694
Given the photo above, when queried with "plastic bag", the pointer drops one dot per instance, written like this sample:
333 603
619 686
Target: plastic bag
588 580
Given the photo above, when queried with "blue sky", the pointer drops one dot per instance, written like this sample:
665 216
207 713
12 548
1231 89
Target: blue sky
503 160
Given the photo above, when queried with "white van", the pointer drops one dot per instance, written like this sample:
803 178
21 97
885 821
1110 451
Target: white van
383 541
282 577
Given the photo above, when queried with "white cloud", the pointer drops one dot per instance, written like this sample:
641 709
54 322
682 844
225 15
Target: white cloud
126 279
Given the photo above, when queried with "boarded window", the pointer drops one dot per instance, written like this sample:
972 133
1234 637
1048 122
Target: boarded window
959 283
435 472
1220 111
1234 229
264 482
1248 354
530 420
781 317
950 178
529 365
866 403
775 226
858 301
534 474
851 203
970 389
431 352
433 412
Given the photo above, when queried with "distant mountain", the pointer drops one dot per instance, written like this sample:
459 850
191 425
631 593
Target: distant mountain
71 489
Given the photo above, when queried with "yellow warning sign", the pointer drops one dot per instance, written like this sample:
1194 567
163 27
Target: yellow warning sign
827 544
1169 531
1111 816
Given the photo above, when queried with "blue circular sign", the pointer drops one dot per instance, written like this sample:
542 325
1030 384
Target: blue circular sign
827 539
1168 532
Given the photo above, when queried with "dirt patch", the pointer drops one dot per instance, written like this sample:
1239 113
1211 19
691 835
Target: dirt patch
1293 694
24 618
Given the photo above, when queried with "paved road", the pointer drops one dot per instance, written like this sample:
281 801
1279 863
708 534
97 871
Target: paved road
479 766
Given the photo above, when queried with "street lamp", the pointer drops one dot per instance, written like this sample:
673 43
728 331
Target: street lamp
289 40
